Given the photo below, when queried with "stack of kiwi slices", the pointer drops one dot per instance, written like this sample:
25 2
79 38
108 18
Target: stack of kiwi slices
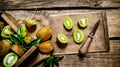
78 35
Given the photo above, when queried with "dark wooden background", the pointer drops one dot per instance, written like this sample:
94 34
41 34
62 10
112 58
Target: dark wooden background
112 9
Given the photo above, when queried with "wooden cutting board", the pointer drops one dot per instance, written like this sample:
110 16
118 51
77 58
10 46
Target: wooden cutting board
100 40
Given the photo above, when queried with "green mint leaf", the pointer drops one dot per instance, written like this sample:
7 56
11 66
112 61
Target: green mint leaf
55 61
14 39
47 62
33 43
51 61
21 31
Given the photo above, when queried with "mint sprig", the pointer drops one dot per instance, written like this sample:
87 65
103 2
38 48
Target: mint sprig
51 61
19 39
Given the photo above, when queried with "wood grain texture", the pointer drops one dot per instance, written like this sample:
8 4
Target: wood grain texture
113 19
104 59
32 4
56 24
25 56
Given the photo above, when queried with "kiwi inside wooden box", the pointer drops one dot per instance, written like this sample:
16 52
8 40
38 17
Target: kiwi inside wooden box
9 19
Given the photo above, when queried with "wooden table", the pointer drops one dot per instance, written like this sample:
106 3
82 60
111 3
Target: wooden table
111 7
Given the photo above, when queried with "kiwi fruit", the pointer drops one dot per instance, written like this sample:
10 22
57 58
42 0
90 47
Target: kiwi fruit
10 59
83 22
68 23
62 38
78 36
46 47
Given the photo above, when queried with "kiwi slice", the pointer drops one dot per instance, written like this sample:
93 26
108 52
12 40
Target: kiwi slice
10 59
7 30
83 22
30 22
62 38
78 36
68 23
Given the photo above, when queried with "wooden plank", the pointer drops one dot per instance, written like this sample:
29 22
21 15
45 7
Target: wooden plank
103 59
25 56
12 21
113 19
32 4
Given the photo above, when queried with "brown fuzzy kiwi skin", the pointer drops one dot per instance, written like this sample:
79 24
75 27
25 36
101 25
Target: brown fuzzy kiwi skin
4 46
17 49
46 47
44 33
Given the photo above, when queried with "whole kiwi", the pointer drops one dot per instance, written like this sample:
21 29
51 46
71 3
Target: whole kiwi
46 47
4 46
17 49
44 33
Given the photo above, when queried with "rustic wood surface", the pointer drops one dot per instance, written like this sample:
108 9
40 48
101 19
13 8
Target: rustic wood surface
56 24
31 4
104 59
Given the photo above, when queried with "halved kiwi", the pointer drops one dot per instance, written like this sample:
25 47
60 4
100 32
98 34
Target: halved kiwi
78 36
62 38
68 23
83 22
6 31
10 59
30 22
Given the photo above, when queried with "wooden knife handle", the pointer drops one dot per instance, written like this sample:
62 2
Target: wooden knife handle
84 48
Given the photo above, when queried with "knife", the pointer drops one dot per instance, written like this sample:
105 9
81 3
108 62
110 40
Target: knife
85 46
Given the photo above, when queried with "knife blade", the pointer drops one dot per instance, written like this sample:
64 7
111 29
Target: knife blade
94 28
85 46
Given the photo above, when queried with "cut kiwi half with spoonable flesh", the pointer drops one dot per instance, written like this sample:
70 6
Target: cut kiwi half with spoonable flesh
10 59
78 36
30 22
6 31
83 22
68 23
62 38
